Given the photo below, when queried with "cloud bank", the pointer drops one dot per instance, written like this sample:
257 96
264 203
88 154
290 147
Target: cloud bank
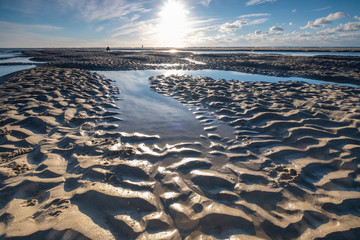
320 22
256 2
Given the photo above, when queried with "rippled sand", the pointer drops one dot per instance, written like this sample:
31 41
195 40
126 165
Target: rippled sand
294 172
341 69
291 171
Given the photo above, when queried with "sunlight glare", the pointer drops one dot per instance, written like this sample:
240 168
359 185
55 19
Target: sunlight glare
173 26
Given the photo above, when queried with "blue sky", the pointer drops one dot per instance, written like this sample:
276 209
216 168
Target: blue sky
179 23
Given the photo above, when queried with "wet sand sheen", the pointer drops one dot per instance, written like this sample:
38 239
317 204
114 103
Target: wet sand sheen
74 165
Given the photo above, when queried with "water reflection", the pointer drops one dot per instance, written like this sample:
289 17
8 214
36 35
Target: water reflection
17 60
148 112
12 58
9 54
228 75
4 70
290 53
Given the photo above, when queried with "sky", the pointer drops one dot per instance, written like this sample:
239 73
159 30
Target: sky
179 23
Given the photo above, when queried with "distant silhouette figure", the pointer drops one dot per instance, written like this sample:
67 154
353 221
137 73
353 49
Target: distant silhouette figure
108 49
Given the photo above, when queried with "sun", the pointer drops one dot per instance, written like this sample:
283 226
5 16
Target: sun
173 24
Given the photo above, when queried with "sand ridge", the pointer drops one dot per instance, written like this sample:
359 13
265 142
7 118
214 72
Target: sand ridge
294 170
66 172
46 115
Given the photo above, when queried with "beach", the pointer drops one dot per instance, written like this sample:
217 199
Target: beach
268 160
342 69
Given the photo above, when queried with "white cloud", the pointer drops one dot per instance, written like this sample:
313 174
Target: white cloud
293 11
273 31
142 28
268 39
238 24
347 36
246 17
357 18
276 29
258 21
290 23
255 2
230 27
206 3
99 29
89 10
336 16
134 17
255 15
100 10
305 34
325 20
322 9
348 27
9 26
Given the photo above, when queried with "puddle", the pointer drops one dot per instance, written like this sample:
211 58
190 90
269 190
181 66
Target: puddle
9 54
18 60
148 112
227 75
4 70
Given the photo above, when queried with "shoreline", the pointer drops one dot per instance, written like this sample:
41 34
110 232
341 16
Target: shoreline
280 49
341 69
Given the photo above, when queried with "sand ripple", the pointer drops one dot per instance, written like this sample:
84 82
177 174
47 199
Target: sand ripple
277 161
294 167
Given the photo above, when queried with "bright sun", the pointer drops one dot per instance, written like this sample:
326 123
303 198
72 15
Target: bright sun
173 26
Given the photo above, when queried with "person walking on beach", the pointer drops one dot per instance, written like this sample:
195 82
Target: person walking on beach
108 49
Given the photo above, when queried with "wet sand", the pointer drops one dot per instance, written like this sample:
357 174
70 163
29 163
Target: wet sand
295 167
291 171
342 69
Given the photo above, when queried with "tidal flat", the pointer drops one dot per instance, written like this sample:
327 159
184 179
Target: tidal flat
86 153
